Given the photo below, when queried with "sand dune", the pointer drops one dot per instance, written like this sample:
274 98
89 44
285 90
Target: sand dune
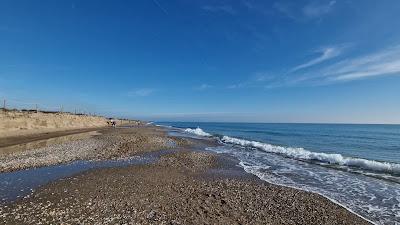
15 123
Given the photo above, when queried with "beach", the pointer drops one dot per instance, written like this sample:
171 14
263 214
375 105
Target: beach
185 185
18 126
200 112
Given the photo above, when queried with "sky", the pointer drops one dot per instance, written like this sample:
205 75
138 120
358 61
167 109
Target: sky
207 60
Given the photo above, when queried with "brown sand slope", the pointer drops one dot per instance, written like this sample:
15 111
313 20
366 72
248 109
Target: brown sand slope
15 123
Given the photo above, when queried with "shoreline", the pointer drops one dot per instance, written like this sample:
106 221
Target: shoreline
240 173
190 167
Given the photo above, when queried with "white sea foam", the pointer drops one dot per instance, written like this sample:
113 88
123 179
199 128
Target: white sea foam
197 131
166 126
302 154
272 179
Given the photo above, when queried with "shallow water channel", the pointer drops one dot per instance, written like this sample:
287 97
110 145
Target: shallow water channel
19 184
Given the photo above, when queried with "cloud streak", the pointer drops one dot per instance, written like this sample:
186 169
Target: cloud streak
219 8
203 87
384 62
325 54
141 92
160 7
257 80
315 10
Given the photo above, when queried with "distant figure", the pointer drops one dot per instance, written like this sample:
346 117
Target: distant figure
112 123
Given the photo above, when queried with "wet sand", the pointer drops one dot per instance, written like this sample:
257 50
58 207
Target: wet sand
44 142
110 144
24 139
183 187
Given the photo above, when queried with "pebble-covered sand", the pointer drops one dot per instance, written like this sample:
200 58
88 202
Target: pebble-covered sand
175 190
111 144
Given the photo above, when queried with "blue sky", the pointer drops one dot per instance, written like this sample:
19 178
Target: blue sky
239 60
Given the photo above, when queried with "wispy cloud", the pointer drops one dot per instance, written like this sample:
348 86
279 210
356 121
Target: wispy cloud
293 76
262 76
381 63
325 54
313 10
203 87
258 79
219 8
141 92
318 9
249 5
287 9
257 6
160 7
238 85
384 62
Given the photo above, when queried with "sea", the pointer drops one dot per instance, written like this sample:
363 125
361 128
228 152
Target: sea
356 166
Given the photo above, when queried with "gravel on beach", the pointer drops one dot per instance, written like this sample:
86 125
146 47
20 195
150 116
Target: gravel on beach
175 190
111 144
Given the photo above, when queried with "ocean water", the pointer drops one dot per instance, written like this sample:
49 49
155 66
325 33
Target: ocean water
357 166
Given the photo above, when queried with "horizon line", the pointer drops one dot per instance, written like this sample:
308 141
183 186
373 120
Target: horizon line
316 123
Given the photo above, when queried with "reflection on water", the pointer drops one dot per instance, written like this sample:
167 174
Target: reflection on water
18 184
47 142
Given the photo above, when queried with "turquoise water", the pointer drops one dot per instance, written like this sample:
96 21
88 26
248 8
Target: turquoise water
357 166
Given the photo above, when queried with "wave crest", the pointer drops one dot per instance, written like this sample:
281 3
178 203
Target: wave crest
302 154
197 131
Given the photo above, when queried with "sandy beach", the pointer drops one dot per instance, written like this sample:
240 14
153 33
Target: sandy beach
184 186
200 112
105 144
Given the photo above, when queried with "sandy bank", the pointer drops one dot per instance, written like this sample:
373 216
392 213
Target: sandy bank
19 123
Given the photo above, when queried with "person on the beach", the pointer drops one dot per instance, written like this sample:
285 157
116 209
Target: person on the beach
112 123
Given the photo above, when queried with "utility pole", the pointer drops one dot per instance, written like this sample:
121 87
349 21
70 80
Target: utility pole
4 105
36 107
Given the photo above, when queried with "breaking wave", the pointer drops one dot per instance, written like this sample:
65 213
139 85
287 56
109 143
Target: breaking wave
302 154
197 131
